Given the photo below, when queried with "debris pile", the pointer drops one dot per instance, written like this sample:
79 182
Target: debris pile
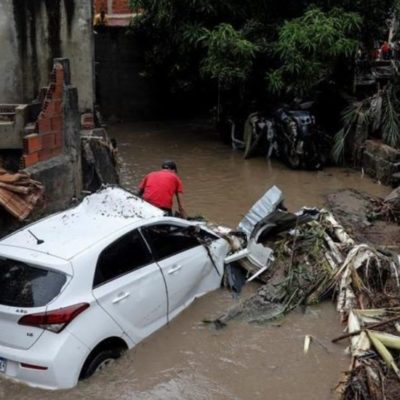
19 194
306 260
369 303
389 208
317 259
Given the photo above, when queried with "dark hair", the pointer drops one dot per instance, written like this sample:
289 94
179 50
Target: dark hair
168 164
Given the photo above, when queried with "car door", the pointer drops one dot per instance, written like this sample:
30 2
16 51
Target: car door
130 287
185 262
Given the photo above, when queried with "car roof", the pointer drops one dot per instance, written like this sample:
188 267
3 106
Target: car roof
70 232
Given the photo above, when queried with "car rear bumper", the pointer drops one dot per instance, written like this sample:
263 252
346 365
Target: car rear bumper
62 357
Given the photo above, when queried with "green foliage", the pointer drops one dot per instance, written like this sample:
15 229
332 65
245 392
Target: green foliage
265 50
229 56
390 117
355 114
310 46
233 41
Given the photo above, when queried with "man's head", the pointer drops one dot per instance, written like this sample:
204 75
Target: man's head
168 164
102 13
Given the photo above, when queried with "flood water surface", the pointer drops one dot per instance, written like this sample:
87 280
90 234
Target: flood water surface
218 182
188 359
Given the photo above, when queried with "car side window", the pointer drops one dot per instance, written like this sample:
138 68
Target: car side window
121 257
167 240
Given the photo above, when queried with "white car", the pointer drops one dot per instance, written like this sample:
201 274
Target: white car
79 287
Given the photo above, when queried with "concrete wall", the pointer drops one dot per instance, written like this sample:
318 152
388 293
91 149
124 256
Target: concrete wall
32 34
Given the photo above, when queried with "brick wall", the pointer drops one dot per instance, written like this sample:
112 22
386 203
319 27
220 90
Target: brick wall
118 6
47 140
100 5
121 7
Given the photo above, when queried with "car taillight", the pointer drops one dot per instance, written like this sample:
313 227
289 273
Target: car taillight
56 320
33 366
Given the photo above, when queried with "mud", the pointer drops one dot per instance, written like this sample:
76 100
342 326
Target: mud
188 359
355 211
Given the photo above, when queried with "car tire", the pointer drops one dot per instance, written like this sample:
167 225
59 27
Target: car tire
99 360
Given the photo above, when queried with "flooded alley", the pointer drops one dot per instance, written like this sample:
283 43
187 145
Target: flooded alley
187 359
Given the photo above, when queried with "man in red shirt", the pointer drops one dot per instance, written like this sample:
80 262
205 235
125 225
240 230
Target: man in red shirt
159 188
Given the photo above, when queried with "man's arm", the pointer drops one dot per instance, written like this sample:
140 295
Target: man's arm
142 185
179 198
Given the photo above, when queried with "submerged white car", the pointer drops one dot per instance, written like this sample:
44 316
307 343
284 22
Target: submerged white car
79 287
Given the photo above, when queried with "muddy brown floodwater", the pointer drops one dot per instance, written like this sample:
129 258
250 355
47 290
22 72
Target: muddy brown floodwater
188 360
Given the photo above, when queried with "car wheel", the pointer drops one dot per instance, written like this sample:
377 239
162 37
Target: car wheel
98 361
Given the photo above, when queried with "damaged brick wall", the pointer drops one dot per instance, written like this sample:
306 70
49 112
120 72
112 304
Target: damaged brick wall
48 139
52 147
52 154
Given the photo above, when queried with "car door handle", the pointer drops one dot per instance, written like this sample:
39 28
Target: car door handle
175 269
120 297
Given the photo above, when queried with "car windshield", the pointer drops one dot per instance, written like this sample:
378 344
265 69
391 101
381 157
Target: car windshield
22 285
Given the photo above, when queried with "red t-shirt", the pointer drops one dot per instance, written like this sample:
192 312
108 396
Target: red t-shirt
159 187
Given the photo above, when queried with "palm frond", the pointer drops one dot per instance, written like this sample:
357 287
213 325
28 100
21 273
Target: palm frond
390 118
352 116
339 145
